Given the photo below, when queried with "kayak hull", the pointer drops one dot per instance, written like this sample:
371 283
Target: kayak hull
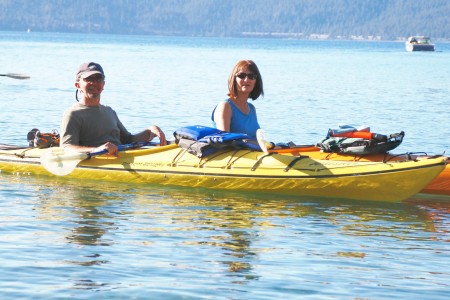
246 171
440 185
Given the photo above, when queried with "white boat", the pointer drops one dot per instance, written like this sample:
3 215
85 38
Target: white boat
419 43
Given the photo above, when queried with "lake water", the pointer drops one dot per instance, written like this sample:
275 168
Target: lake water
64 239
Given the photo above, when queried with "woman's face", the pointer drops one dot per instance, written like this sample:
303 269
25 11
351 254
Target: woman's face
245 80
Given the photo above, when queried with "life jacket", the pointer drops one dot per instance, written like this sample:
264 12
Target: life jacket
348 139
203 141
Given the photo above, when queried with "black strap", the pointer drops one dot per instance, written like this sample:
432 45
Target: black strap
292 163
259 161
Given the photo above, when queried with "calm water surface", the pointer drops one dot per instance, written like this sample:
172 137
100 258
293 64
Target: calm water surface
93 240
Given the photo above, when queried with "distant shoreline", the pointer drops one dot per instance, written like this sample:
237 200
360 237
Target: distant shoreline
268 35
327 37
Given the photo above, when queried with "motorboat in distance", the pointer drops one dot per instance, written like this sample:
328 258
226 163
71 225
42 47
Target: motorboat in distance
419 43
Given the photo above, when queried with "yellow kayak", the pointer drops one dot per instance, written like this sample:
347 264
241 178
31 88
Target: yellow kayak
244 170
440 185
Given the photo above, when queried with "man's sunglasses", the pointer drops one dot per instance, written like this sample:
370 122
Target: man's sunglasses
97 79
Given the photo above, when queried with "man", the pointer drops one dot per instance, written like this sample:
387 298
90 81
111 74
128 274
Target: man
89 126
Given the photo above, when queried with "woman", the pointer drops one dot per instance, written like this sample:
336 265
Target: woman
236 114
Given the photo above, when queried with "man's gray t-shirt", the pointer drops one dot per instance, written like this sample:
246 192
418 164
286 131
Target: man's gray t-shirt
92 126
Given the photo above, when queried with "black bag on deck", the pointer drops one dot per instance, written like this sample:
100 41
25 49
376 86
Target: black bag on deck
360 146
197 148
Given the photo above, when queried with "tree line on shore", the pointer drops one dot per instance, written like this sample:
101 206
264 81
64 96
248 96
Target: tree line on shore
381 19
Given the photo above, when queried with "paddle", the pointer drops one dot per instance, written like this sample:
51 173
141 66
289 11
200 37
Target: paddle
16 76
268 147
262 142
61 162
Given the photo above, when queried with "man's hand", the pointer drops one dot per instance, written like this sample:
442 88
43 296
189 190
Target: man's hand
110 147
156 131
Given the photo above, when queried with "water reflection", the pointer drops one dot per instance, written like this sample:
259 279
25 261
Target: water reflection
239 220
119 224
435 211
96 207
85 213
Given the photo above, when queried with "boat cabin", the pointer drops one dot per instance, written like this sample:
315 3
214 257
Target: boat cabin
419 43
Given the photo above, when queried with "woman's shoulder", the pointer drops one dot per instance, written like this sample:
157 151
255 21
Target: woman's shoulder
225 103
252 107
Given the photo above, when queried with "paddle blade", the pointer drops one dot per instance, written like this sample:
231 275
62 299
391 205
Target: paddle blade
16 76
61 162
260 137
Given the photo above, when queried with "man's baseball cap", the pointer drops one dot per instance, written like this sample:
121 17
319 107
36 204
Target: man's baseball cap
90 68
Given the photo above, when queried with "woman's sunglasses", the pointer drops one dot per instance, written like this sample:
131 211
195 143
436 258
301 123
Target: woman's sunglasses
250 76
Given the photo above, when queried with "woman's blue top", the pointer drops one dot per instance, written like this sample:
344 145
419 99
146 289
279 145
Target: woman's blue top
240 122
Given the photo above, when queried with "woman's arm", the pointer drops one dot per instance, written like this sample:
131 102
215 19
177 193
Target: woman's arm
222 116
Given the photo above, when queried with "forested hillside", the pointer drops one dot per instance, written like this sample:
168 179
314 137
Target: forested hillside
377 19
